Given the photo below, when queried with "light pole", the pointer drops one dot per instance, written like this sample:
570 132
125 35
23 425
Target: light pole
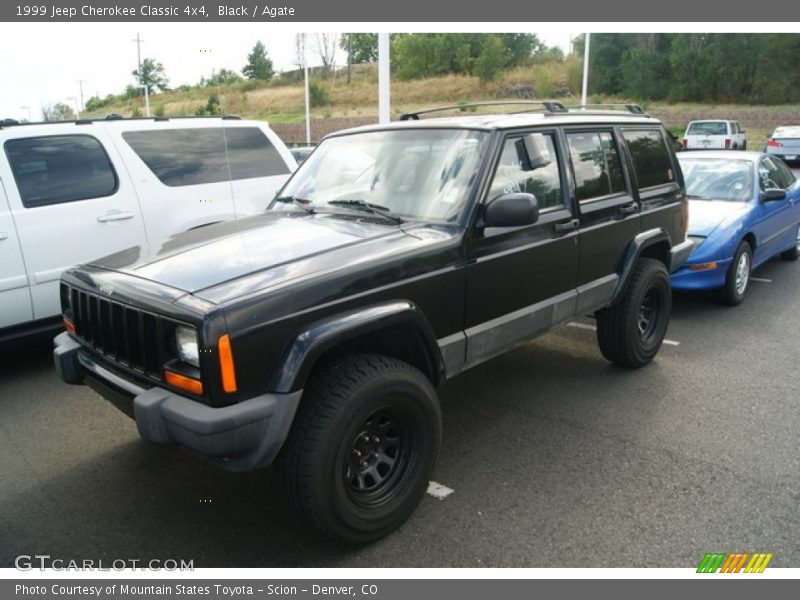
146 100
585 86
77 108
80 87
301 62
383 78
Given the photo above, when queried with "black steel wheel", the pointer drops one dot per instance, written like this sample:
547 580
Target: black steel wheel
630 332
359 457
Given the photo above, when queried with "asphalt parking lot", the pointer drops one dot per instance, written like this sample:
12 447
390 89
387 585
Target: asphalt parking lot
556 458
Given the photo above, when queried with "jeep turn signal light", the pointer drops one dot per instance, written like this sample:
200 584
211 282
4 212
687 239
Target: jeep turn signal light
226 364
193 386
69 326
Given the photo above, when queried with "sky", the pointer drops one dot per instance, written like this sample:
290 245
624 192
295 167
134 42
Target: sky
43 62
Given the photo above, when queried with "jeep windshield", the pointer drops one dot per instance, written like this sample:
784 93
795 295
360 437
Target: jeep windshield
417 174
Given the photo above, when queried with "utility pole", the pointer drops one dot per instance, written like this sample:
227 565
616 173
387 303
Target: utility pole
349 57
139 41
585 86
80 86
383 78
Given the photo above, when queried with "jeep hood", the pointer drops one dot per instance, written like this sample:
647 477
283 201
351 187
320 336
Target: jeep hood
706 215
257 252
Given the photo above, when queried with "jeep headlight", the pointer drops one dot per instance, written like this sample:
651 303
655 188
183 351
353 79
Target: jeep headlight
186 342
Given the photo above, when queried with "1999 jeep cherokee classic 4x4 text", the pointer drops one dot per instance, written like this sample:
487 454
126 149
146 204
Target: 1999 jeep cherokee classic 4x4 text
394 258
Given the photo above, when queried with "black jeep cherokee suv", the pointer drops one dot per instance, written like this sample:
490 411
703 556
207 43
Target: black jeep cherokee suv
396 257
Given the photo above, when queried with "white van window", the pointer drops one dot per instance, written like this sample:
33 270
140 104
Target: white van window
58 169
181 157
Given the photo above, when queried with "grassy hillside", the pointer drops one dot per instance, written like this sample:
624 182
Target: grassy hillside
282 102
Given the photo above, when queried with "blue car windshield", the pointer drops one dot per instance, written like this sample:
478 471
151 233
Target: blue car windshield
425 173
717 178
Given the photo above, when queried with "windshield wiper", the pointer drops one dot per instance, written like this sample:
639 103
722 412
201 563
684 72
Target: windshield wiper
375 209
301 202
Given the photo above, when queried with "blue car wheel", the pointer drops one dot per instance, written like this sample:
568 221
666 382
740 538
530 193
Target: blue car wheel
737 280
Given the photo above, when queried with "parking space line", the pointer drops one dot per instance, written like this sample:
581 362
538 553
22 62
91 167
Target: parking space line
439 491
594 328
760 279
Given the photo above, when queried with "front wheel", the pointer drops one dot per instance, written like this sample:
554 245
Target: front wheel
361 451
630 333
737 279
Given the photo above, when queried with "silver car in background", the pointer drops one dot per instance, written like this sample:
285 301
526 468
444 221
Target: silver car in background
785 143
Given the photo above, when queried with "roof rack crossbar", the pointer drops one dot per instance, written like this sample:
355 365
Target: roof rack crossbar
631 108
549 106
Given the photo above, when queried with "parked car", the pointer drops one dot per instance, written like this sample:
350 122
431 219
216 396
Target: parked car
301 153
785 143
315 334
714 134
744 208
73 191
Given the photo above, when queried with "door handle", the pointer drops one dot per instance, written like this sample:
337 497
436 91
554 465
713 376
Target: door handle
628 209
566 226
3 236
115 216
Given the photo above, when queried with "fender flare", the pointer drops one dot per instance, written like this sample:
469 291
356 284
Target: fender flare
324 334
633 252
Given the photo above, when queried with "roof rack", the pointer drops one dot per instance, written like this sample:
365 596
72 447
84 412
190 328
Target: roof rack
634 109
548 106
114 117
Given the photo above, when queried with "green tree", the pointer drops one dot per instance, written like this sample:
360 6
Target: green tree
492 59
212 107
57 112
151 73
221 77
520 47
363 46
259 66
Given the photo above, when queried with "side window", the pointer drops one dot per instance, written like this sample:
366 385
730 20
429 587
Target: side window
58 169
734 128
180 157
543 181
596 164
651 160
786 175
770 175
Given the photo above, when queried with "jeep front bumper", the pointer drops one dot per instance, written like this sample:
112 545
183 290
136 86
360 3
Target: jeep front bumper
240 437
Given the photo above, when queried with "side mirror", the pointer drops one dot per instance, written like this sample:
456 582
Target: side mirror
512 210
773 194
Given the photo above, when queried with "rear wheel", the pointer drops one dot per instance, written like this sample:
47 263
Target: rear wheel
630 333
362 448
737 279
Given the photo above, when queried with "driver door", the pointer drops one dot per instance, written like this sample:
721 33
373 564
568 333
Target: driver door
521 280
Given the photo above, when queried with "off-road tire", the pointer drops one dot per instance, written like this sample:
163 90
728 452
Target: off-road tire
630 332
359 408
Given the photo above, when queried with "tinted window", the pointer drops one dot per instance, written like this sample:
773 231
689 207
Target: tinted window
542 181
56 169
595 162
193 156
650 156
708 128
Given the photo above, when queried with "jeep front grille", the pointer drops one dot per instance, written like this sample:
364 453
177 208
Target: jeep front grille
131 337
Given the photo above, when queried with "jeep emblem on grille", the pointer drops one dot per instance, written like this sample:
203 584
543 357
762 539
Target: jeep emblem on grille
106 289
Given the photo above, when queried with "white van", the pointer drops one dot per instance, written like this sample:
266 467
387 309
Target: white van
74 191
714 134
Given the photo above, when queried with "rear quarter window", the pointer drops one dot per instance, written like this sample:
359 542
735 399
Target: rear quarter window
651 157
58 169
193 156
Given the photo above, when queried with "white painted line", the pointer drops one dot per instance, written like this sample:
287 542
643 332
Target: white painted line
760 279
594 328
437 490
582 326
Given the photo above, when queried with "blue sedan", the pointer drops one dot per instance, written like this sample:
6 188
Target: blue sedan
744 208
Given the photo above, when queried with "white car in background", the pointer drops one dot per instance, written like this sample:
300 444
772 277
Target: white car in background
74 191
785 143
714 134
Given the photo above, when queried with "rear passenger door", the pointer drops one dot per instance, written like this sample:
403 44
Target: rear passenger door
70 205
15 297
609 213
656 179
520 280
